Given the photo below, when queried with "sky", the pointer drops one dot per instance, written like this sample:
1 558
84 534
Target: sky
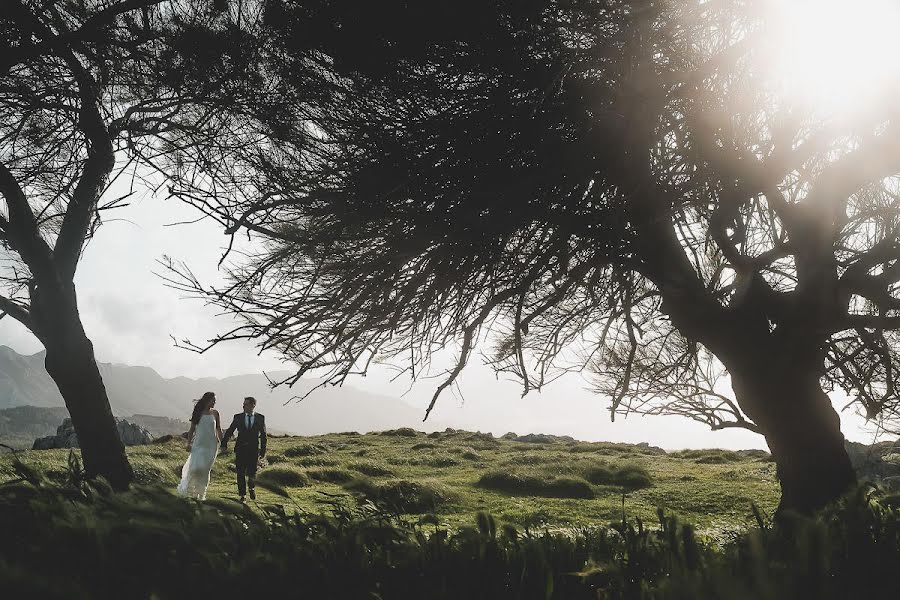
130 315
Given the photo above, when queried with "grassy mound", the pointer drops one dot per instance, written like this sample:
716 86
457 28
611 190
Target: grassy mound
284 476
305 450
156 471
533 458
315 461
715 502
756 454
423 446
713 456
439 461
403 495
80 540
331 475
401 432
527 484
371 469
628 476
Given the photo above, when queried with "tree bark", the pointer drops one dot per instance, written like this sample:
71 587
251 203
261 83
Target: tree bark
71 363
802 429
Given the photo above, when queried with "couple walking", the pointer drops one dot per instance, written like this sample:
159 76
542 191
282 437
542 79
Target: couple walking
205 439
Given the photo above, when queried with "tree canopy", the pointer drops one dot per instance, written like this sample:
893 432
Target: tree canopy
92 91
547 167
616 187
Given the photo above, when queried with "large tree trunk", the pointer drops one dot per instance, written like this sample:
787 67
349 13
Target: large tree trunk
802 429
70 362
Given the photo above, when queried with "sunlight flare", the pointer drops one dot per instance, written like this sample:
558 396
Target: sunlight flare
833 56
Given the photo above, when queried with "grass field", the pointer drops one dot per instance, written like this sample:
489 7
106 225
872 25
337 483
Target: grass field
557 484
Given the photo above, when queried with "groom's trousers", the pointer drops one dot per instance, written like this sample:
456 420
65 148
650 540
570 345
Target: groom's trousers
245 466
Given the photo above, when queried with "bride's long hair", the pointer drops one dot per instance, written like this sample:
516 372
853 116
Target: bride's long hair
201 405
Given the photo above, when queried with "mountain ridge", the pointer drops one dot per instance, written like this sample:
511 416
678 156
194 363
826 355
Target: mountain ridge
141 390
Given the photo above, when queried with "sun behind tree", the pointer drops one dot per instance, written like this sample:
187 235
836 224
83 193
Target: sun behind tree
833 57
615 188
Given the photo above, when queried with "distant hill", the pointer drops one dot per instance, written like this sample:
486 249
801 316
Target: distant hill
21 425
142 391
160 426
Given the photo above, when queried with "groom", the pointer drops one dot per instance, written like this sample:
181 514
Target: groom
249 447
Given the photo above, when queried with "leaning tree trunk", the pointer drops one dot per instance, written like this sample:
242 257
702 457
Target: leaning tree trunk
802 429
70 362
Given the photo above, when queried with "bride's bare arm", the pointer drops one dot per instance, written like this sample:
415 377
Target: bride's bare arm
218 426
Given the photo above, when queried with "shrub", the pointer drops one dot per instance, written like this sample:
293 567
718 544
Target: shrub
631 477
634 478
371 469
286 476
403 495
423 446
526 484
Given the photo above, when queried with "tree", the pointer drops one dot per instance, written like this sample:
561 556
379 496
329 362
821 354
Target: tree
91 90
579 185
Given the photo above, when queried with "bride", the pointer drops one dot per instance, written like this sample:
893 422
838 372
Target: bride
203 445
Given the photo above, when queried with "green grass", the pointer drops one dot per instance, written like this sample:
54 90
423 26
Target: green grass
331 475
714 494
371 469
404 496
304 450
77 539
284 476
536 484
627 476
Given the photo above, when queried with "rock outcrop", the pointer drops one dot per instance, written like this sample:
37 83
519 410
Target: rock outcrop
130 434
879 462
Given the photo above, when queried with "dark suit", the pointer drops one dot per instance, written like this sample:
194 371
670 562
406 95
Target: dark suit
249 446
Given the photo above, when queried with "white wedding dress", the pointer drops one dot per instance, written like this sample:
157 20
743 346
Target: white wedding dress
196 470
